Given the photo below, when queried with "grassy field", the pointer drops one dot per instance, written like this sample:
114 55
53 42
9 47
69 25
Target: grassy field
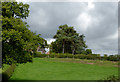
64 69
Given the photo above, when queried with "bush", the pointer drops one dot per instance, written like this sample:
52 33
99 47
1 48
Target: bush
61 55
80 56
70 56
52 55
87 57
76 56
113 58
7 74
38 54
111 78
41 55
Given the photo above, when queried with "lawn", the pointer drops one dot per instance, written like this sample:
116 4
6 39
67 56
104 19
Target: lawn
64 69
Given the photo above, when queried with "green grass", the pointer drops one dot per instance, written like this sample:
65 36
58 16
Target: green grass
5 66
63 69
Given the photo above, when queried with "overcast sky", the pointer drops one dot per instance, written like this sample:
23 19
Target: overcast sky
98 21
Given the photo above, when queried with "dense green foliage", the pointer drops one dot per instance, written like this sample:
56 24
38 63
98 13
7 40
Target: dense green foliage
68 41
18 41
58 69
4 67
79 56
88 51
112 78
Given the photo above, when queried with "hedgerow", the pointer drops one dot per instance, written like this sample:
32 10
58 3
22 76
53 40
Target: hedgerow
79 56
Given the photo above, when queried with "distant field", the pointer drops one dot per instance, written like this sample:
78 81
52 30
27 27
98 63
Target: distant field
64 69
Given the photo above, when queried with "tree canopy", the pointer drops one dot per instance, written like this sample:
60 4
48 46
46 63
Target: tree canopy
68 41
17 39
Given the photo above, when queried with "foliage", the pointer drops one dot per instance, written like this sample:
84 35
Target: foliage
78 56
19 43
14 9
88 51
56 47
7 74
38 54
68 41
112 78
84 52
113 57
4 67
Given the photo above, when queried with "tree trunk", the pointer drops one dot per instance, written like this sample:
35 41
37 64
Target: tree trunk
63 48
73 51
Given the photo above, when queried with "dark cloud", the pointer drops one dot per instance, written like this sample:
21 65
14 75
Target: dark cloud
98 24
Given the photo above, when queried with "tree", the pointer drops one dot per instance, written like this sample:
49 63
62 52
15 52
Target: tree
88 51
105 55
61 35
75 42
55 47
69 39
17 39
84 52
78 44
14 9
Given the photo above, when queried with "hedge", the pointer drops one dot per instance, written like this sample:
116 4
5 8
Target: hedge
7 74
111 78
79 56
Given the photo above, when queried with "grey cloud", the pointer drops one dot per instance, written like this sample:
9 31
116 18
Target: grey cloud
107 22
46 17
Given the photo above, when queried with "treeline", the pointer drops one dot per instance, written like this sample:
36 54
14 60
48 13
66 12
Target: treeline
18 42
79 56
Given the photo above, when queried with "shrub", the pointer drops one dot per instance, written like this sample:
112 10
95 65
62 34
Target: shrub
52 55
7 74
87 57
112 78
97 57
42 55
113 58
80 56
61 56
76 56
70 55
105 58
38 54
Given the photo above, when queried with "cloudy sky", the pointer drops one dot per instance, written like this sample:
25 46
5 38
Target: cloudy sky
98 21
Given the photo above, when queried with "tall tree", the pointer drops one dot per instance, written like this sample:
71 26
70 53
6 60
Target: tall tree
61 35
14 9
70 40
17 39
81 45
75 43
